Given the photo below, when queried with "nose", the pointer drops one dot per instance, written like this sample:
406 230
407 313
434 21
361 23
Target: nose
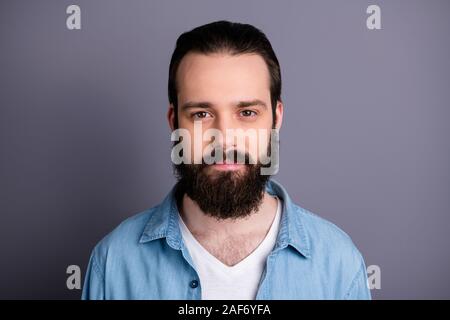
224 123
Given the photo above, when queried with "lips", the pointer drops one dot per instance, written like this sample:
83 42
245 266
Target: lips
227 166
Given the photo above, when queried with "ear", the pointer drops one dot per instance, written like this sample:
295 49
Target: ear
171 117
279 114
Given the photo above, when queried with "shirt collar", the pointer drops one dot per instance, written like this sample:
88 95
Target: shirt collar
163 222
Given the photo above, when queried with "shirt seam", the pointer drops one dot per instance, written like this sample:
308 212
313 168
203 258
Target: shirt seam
353 283
96 267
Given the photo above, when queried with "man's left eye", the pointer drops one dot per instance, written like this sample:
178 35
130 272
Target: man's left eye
248 113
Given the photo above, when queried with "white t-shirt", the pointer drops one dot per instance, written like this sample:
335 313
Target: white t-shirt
239 282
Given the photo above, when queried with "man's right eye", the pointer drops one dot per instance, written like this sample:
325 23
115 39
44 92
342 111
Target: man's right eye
200 115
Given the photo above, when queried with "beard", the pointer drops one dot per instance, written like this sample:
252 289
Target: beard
230 194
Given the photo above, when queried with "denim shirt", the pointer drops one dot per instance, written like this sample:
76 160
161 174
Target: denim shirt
145 258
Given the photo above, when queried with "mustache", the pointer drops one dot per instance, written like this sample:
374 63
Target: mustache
231 156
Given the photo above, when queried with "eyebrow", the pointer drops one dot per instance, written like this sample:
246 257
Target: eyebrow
239 104
255 102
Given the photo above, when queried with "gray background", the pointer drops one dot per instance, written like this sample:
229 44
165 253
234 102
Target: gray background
84 141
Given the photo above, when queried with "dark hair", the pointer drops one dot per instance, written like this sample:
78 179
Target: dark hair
230 37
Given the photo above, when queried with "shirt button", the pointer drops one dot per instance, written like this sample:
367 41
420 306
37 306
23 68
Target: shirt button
194 284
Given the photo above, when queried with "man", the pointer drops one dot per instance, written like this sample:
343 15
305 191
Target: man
226 230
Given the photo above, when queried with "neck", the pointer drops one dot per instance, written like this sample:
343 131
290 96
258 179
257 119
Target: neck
202 224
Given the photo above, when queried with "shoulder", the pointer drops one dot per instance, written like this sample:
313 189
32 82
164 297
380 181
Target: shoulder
333 252
329 243
123 238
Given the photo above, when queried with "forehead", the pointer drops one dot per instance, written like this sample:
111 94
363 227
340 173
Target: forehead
222 76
